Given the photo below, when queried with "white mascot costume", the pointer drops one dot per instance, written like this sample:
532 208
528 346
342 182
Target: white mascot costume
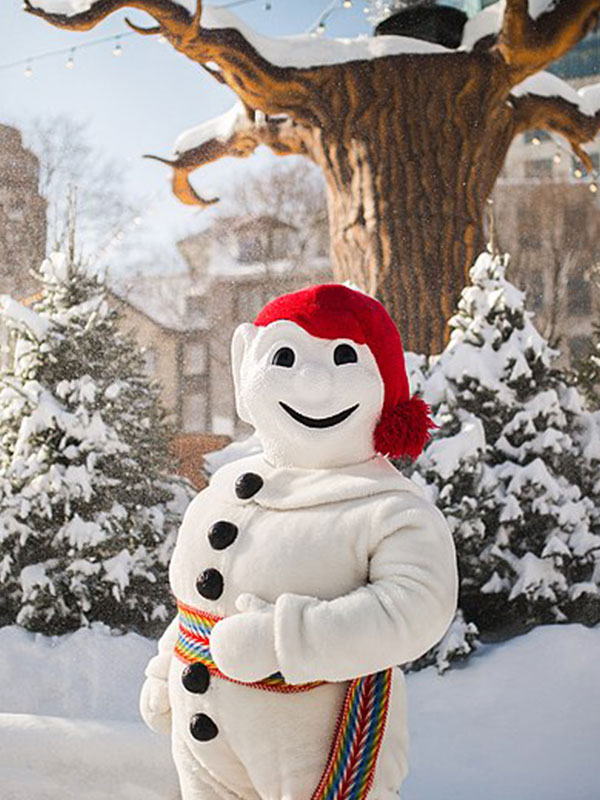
305 575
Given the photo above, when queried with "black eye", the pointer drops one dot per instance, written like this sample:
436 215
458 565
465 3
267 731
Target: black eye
344 354
284 357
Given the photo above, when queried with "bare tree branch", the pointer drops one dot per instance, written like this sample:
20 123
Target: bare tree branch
559 115
259 83
236 133
528 45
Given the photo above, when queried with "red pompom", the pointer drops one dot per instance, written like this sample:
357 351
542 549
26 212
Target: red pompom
404 430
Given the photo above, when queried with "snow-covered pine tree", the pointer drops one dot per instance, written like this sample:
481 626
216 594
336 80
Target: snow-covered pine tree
88 513
587 372
511 465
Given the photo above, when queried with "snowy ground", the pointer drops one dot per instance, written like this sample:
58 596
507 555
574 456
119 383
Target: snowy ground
521 722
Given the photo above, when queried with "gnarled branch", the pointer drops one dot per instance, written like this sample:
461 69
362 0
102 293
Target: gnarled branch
528 45
560 115
236 133
259 83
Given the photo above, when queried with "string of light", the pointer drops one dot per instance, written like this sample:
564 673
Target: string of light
319 24
117 49
591 176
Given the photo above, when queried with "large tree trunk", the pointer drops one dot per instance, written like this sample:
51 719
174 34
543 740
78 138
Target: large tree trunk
410 143
407 191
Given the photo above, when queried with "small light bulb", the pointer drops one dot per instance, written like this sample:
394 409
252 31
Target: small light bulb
70 62
557 158
347 4
117 50
162 39
321 27
593 188
28 71
536 140
578 173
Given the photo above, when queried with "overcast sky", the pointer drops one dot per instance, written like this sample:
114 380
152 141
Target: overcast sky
139 102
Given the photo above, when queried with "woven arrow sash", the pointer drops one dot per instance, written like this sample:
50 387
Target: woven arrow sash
350 768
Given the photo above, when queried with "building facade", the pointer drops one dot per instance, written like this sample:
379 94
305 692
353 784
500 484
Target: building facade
241 265
22 215
547 216
185 321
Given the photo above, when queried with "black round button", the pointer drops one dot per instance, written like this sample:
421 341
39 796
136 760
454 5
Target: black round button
203 728
210 584
195 678
222 534
247 485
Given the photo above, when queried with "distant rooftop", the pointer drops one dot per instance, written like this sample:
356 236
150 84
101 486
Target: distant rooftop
164 299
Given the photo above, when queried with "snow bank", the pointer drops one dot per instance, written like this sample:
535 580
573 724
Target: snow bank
47 758
91 673
521 721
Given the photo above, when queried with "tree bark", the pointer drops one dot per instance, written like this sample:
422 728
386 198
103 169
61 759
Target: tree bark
407 186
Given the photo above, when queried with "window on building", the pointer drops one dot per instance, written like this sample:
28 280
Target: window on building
251 246
538 168
535 289
195 306
529 228
580 347
194 357
223 426
193 412
579 296
573 216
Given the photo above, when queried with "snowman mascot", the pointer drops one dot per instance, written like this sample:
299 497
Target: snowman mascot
304 575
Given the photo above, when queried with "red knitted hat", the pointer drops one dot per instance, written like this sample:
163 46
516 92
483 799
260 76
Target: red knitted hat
333 311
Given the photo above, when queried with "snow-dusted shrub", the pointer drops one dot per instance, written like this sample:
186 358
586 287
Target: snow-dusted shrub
515 465
88 513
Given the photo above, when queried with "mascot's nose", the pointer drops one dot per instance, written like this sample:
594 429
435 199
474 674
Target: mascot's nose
312 381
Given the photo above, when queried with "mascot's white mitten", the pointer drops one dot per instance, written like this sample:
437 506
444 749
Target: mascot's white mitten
155 706
243 645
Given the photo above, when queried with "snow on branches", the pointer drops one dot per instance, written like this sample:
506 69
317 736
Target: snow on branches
513 467
88 512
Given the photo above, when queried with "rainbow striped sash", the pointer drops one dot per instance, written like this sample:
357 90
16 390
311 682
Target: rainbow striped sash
350 768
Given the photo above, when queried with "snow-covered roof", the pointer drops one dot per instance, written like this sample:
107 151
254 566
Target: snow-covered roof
163 299
224 265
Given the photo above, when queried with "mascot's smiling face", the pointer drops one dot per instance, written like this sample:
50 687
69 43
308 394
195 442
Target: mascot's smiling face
313 402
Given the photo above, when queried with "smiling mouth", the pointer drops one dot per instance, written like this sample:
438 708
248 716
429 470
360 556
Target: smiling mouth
322 422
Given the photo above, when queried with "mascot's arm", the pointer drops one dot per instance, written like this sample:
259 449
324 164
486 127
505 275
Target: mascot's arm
155 706
404 609
158 667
